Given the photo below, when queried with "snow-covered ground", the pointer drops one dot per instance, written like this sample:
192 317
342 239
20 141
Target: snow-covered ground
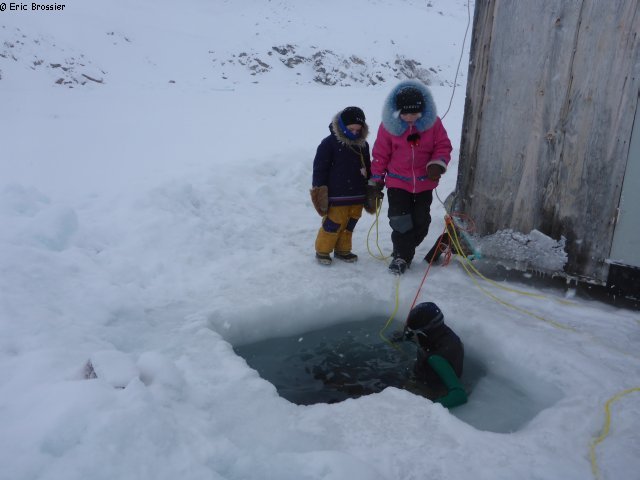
154 211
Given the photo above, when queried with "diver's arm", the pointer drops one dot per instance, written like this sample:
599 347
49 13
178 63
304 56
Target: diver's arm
456 394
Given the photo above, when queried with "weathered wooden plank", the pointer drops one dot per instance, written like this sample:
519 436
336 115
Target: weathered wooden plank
550 100
527 71
597 130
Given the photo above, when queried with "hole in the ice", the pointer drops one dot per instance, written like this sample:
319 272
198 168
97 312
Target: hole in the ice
350 359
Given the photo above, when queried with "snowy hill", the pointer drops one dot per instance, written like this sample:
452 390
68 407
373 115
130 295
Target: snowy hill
154 213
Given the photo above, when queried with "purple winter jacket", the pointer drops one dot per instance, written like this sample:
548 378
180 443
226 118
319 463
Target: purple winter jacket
343 165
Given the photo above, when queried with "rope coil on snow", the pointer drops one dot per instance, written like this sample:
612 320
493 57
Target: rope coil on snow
605 430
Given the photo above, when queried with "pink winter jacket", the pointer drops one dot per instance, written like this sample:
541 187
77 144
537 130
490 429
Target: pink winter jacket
403 164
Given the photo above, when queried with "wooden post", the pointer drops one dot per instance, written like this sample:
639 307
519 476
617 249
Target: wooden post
551 94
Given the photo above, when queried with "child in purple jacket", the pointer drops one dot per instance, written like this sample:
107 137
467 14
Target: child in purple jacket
341 168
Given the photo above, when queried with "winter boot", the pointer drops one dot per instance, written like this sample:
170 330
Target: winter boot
346 256
323 258
441 245
398 266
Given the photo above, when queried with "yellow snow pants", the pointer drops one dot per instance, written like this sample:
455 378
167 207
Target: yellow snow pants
337 229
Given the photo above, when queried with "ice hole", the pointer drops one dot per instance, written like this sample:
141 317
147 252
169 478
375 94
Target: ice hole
350 359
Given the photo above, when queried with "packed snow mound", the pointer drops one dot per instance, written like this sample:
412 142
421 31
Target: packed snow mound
534 251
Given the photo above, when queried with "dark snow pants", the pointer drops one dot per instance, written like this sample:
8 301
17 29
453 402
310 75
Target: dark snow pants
409 218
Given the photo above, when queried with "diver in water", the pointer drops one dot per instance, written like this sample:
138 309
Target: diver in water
440 353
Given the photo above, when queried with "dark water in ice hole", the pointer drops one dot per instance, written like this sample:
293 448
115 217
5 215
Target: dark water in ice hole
350 359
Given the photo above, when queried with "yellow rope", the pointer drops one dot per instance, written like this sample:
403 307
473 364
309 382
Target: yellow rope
393 314
457 244
605 430
469 268
451 231
514 307
382 256
466 261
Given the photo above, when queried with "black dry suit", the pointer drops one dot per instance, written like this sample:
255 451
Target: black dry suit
439 364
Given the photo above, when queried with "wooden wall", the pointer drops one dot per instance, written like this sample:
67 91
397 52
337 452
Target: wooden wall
551 96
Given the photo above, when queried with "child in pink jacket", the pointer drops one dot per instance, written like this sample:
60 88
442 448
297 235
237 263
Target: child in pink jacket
411 152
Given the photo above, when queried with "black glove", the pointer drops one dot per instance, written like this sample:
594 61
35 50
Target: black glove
398 336
434 172
374 197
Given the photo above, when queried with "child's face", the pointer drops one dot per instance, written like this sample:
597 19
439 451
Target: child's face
410 117
355 128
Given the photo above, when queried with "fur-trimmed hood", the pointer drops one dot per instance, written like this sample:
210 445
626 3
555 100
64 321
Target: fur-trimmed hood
391 115
334 128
